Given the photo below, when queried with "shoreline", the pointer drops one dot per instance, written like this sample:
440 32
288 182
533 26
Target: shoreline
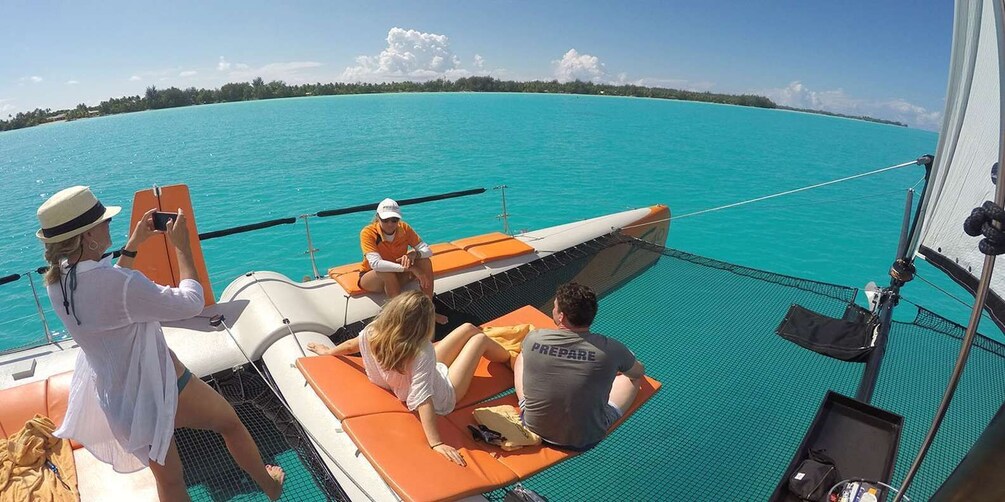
258 90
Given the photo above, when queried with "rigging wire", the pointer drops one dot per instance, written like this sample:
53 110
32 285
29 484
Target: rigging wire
947 293
786 192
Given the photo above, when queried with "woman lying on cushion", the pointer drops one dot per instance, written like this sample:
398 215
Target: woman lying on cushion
399 355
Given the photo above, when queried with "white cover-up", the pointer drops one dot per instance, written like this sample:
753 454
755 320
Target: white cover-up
124 391
423 378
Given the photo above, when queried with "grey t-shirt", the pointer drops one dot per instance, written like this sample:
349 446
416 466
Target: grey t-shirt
567 379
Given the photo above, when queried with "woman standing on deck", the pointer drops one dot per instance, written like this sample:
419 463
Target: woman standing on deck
388 265
129 391
399 355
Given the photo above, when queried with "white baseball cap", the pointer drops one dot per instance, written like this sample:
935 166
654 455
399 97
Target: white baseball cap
388 208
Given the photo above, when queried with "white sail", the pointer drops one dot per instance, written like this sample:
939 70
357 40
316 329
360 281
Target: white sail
968 147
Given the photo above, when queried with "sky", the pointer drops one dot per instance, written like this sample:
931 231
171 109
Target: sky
886 59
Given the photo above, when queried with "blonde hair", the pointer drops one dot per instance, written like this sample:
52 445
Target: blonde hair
401 330
55 252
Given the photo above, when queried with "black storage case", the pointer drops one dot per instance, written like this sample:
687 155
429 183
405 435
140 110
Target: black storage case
861 438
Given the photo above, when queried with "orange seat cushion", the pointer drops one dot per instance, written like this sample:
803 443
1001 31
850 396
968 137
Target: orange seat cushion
478 240
20 404
500 250
396 447
523 315
348 277
493 246
342 384
490 378
448 257
530 460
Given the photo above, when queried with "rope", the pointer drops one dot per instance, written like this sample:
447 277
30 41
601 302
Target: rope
779 194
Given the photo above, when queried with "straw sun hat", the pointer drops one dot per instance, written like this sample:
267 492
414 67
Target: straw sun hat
71 212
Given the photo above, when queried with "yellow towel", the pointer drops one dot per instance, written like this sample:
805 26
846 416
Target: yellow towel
505 420
510 337
25 473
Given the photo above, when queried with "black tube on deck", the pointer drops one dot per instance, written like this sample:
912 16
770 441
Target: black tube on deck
246 228
403 202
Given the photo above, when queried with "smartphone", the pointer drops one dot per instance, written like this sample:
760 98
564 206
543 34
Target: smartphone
161 220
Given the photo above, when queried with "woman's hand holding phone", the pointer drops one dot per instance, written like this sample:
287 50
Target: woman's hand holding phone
142 231
177 232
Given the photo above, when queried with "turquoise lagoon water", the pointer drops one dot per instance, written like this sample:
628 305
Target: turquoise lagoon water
563 158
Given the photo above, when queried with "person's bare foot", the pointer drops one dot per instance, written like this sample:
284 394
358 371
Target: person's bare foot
441 319
278 475
321 350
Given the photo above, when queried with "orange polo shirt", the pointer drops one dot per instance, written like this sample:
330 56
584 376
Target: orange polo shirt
371 240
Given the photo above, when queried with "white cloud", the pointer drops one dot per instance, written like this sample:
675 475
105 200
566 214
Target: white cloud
666 83
33 79
576 66
797 95
479 61
188 73
72 82
291 72
224 65
411 55
135 78
5 106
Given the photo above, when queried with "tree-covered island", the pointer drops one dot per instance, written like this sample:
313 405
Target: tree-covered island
173 97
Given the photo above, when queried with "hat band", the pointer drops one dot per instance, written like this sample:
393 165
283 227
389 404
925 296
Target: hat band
89 216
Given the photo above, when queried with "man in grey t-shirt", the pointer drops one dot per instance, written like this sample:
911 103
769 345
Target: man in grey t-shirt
567 379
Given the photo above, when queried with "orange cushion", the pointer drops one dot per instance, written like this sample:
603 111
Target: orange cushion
348 277
448 257
523 315
20 404
500 250
493 246
489 379
342 384
478 240
530 460
396 446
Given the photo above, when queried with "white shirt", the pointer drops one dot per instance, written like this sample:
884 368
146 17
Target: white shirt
124 391
424 377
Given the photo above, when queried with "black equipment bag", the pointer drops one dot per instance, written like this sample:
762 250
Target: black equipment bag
847 339
814 477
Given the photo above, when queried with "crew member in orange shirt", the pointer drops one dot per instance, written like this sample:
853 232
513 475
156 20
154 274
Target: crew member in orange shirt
388 265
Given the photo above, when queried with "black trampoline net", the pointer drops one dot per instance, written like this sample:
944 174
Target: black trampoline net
736 399
212 474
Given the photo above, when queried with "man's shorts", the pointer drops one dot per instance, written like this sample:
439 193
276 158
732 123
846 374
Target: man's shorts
611 414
